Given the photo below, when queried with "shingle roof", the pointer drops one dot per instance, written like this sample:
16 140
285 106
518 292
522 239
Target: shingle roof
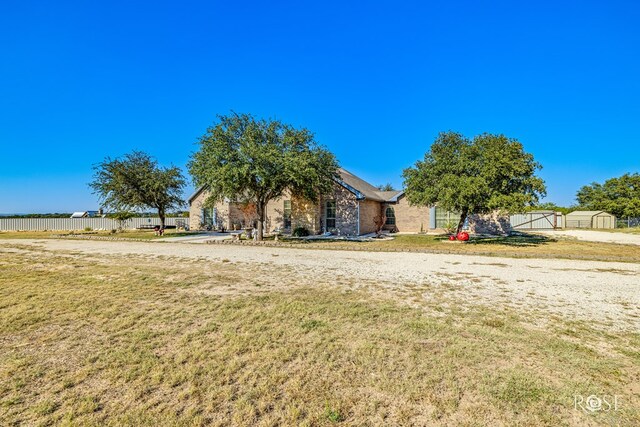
390 196
363 190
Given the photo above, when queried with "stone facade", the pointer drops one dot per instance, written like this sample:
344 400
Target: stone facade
410 218
346 212
312 215
492 224
221 215
229 214
358 206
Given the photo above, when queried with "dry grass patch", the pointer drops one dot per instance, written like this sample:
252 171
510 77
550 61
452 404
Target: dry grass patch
630 230
524 246
126 234
125 341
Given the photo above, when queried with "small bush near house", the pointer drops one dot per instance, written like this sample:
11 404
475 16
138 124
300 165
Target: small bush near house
300 232
450 227
88 229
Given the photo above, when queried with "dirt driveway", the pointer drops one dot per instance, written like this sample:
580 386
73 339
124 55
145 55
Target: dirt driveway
606 293
596 236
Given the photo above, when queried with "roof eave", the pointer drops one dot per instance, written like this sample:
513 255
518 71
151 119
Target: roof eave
197 192
395 198
359 195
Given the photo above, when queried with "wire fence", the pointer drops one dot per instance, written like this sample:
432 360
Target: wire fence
627 222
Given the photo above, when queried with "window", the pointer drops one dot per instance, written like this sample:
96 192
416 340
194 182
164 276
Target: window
330 214
391 216
208 217
443 218
286 214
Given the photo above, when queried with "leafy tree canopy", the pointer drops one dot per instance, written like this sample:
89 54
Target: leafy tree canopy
386 187
136 182
619 196
550 206
246 159
479 175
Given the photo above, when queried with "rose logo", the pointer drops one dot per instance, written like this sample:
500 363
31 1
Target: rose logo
594 403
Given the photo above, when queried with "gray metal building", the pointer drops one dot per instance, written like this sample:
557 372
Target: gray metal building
591 219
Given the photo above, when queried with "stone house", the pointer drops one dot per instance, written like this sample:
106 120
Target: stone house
353 208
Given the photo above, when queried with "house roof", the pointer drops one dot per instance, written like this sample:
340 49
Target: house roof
363 190
358 186
391 196
195 194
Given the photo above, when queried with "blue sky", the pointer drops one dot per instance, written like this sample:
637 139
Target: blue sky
376 82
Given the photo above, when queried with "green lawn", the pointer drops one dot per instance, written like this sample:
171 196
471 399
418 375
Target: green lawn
95 340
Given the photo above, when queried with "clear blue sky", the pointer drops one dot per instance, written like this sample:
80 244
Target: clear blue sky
376 82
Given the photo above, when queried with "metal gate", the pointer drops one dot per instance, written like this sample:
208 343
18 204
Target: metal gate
536 220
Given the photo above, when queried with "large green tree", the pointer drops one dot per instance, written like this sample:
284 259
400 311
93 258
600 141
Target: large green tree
619 196
255 160
479 175
136 182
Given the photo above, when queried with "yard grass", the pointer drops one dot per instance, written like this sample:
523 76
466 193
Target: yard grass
516 246
101 340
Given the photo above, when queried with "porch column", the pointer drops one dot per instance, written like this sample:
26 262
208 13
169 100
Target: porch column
358 225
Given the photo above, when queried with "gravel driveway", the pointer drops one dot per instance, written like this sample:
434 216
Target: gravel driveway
607 293
596 236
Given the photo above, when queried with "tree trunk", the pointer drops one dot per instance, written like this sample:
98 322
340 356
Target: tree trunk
162 218
260 212
463 217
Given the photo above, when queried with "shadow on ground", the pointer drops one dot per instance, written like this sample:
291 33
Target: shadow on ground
515 240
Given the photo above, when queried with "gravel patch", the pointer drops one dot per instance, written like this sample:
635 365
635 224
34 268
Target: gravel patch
595 236
607 293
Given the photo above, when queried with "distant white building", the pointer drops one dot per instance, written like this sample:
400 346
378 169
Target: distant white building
87 214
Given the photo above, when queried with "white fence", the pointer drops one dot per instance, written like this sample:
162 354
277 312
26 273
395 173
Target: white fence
546 220
68 224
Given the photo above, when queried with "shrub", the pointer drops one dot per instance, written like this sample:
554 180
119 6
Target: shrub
300 232
88 229
450 227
